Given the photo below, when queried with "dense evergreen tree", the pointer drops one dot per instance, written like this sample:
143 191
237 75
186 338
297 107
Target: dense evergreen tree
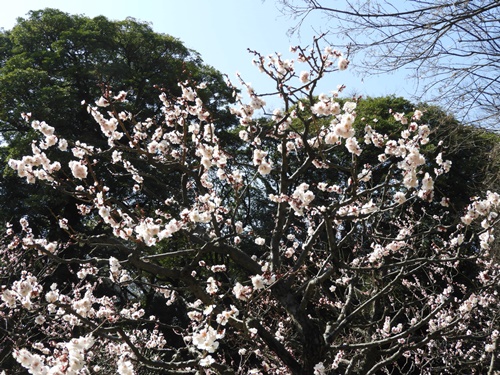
52 61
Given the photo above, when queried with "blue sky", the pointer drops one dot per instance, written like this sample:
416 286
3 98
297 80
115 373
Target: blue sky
221 31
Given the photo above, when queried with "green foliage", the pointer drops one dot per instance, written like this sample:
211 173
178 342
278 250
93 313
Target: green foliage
472 151
51 61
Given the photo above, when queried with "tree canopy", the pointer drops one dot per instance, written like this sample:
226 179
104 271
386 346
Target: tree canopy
473 149
52 61
359 265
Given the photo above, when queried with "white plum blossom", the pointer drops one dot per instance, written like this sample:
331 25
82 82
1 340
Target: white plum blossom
417 115
343 63
206 339
258 156
125 367
78 169
102 102
9 298
260 241
331 138
399 197
259 159
319 369
223 318
264 168
304 76
207 361
258 282
352 145
147 231
242 292
211 286
301 198
344 128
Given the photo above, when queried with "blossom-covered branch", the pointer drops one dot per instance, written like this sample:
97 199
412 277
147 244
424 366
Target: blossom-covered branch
299 240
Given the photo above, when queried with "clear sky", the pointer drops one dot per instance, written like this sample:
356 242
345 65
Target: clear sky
220 30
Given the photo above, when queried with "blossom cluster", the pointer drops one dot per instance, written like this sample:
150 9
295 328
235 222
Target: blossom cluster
194 253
